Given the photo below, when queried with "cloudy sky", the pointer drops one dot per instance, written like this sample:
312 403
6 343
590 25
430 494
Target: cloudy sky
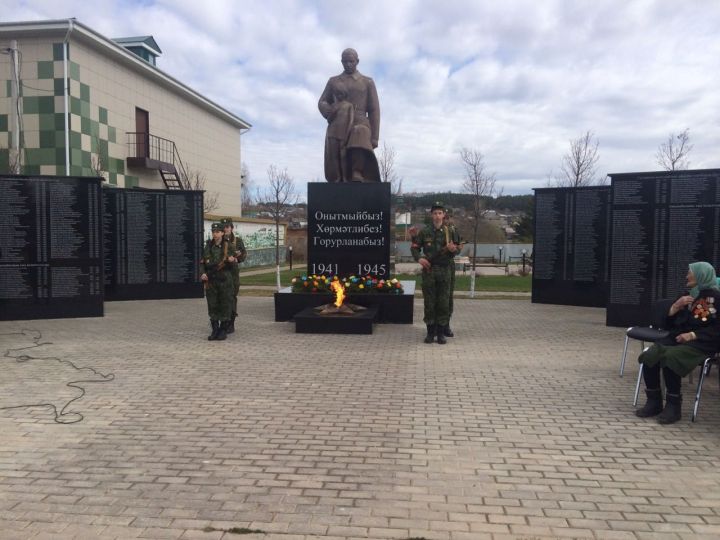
515 79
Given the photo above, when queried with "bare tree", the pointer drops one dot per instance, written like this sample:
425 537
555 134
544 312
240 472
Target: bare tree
197 180
13 161
578 167
386 162
98 159
246 197
479 183
672 154
277 199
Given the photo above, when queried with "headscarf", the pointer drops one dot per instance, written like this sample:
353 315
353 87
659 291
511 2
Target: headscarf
704 276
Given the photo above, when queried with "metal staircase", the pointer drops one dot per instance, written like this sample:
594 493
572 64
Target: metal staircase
152 152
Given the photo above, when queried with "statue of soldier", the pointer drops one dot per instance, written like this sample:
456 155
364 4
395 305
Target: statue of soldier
349 153
237 248
217 276
434 248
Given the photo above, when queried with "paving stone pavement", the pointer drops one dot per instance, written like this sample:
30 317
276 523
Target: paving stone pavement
518 428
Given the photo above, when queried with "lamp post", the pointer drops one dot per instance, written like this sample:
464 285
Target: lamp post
500 248
524 252
290 250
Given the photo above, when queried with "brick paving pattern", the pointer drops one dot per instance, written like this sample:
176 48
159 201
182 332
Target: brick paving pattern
518 428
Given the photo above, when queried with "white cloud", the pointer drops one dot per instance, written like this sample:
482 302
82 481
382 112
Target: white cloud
515 80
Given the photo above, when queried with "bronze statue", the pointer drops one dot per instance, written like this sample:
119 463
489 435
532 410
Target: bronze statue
350 105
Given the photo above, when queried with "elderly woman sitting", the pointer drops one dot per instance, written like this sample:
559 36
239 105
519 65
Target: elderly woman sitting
694 328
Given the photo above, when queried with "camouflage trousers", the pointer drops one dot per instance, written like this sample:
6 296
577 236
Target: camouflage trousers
219 296
236 287
436 295
452 288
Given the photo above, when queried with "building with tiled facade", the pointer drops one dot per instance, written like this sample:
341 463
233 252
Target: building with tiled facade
119 116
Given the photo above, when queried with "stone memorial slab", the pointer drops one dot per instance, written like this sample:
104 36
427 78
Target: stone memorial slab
571 248
50 247
349 229
153 243
661 222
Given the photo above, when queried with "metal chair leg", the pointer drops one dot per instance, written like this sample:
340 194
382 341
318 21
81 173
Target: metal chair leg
637 385
624 354
705 371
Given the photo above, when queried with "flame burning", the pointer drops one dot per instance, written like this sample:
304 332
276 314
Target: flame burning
339 292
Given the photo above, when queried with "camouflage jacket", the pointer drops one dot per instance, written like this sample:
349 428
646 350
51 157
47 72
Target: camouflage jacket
430 244
213 255
237 247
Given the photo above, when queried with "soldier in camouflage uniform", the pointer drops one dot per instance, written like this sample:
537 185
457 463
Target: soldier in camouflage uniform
237 247
434 248
217 276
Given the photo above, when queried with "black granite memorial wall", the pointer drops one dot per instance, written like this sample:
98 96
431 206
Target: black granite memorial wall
349 229
50 247
661 222
570 250
153 243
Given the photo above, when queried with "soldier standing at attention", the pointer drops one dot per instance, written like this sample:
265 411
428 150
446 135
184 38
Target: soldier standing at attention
216 274
434 248
237 248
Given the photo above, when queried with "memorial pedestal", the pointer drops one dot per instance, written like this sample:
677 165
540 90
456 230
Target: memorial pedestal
308 321
392 308
349 235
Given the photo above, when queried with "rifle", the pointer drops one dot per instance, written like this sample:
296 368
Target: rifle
213 269
444 250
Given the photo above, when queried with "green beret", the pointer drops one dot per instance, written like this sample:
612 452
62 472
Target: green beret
217 227
437 205
227 221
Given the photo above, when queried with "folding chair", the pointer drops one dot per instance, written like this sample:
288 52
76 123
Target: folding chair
643 334
709 361
649 334
704 371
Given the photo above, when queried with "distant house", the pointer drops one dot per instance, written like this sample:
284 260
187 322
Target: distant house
74 102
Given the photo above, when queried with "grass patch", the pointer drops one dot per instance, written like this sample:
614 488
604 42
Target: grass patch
255 292
483 283
269 277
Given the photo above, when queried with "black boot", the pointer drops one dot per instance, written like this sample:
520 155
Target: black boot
231 324
222 332
447 331
215 328
672 411
441 334
654 405
430 333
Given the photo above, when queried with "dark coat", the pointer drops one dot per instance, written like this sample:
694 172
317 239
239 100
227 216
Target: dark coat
700 317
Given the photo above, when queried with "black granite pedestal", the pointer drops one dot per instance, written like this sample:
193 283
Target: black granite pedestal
392 308
309 321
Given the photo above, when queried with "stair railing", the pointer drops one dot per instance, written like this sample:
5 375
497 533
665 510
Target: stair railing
145 145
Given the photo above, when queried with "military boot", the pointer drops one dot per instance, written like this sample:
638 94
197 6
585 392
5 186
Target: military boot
222 332
447 332
654 405
430 333
215 328
441 334
672 411
231 324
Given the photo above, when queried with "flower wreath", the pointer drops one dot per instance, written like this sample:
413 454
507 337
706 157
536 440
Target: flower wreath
368 284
